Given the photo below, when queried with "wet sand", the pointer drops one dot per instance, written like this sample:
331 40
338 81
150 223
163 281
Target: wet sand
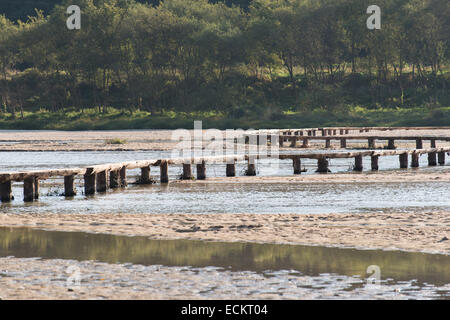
421 232
142 140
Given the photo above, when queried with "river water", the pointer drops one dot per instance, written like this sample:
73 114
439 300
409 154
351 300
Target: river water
215 270
215 197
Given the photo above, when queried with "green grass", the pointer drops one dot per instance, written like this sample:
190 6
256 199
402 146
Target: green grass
120 120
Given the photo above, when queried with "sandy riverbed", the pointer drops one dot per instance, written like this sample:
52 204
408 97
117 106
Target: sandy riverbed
152 140
425 231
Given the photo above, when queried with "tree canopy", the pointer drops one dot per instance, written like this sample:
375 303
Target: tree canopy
232 57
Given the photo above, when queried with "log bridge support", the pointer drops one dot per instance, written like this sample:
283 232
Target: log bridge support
100 178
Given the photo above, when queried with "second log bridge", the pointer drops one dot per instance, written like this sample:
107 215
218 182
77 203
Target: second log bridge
100 178
371 140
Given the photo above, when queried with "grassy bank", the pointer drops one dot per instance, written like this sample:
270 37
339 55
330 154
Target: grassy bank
119 120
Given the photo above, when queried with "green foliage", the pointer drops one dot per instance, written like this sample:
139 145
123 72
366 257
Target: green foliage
263 63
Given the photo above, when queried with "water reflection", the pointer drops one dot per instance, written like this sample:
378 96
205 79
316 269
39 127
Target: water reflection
310 261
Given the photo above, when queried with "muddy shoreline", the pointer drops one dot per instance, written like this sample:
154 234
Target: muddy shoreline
427 232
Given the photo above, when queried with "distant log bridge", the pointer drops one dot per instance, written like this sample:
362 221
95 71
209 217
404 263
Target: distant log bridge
100 178
334 131
371 140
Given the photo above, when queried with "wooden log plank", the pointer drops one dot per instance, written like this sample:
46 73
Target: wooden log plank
415 160
164 172
297 164
403 159
374 162
6 191
187 172
102 180
114 179
433 143
432 159
145 175
123 177
201 170
391 144
89 183
293 142
251 168
419 144
28 190
36 188
358 163
231 170
441 158
322 165
69 187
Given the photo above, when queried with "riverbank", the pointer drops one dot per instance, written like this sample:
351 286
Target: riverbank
114 119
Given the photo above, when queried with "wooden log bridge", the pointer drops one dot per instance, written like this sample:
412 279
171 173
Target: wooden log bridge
371 140
100 178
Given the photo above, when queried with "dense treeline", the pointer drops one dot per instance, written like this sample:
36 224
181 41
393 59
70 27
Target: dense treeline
265 58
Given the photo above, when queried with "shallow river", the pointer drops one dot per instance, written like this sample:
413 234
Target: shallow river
215 198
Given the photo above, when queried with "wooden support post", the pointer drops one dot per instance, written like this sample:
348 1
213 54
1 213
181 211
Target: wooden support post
334 132
433 143
201 171
343 143
419 144
123 177
28 189
328 143
374 162
403 159
6 191
36 188
102 181
231 169
324 132
187 172
251 168
415 160
305 143
346 131
371 143
164 171
114 181
330 132
69 187
309 133
145 175
293 142
432 159
281 141
314 133
322 165
297 163
441 158
391 144
341 131
89 183
358 164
